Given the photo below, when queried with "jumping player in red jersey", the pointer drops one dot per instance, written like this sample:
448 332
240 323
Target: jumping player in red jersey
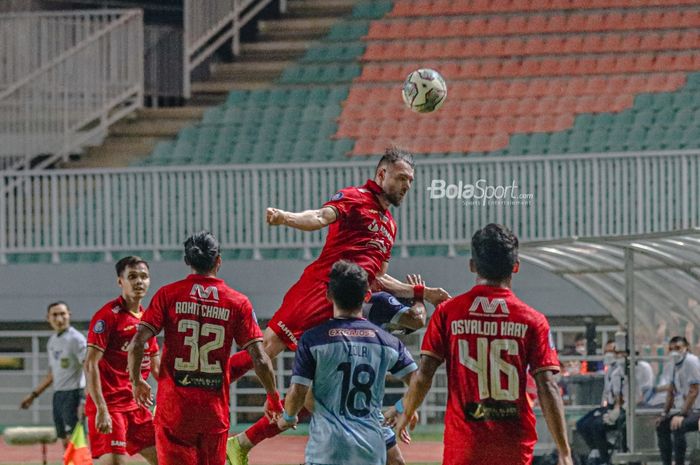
116 425
490 339
200 317
361 229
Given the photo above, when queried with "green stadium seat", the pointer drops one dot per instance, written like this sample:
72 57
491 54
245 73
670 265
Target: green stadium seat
372 9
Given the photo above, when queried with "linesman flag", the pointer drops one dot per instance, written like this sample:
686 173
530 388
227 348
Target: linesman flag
77 452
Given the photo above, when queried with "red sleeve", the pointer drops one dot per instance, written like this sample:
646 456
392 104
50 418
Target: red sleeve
154 317
246 329
435 339
342 201
153 347
101 326
542 353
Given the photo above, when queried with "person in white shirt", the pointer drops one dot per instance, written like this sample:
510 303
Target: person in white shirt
685 382
66 350
595 424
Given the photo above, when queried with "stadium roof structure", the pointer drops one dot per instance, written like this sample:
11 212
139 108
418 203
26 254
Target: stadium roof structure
661 300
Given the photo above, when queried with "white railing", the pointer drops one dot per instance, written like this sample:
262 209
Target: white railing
155 208
29 41
208 24
71 99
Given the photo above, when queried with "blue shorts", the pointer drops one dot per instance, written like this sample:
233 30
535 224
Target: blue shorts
389 437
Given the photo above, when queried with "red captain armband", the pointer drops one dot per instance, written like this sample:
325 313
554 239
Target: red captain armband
418 291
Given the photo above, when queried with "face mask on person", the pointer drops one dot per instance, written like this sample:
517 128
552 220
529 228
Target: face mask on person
677 357
581 350
609 359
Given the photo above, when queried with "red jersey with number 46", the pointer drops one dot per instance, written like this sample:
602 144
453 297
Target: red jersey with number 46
110 331
489 339
200 317
363 232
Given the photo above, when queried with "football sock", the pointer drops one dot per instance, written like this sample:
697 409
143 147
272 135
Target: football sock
239 364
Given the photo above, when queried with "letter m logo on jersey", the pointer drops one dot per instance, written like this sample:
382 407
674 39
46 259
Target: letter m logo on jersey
495 307
210 293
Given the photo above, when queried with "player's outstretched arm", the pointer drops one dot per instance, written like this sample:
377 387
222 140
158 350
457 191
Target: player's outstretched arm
293 403
417 390
414 288
103 421
309 220
266 374
140 388
553 410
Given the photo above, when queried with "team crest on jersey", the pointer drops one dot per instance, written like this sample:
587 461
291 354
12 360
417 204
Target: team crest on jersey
496 307
337 196
99 327
210 293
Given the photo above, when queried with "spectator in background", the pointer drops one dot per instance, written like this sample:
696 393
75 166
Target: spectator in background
685 382
66 351
593 426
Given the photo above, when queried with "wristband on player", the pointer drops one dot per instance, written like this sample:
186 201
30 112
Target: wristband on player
274 402
399 406
418 291
288 418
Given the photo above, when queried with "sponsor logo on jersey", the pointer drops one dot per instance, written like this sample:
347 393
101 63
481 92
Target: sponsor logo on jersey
287 332
99 327
210 293
374 227
352 332
116 443
496 307
491 411
199 380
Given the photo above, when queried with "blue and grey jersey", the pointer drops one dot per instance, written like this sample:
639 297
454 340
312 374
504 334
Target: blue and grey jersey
66 353
385 310
347 360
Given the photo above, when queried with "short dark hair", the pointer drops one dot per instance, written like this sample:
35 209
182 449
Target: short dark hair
347 285
494 251
201 251
131 260
53 304
677 339
395 154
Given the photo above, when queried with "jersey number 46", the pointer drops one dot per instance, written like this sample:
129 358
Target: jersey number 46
488 364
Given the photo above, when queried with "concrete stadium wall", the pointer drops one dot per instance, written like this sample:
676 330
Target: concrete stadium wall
25 290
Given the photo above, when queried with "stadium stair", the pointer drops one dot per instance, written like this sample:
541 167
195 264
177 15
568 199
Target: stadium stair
279 43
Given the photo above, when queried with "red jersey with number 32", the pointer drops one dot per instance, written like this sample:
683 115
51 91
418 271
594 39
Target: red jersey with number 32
110 331
489 339
200 317
363 232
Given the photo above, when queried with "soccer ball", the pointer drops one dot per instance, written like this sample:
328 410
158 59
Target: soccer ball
424 90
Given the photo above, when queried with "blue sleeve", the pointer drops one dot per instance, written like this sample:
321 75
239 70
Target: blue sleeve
304 364
385 309
404 363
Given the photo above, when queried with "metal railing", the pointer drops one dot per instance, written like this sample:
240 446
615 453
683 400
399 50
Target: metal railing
70 99
155 208
29 41
15 384
209 24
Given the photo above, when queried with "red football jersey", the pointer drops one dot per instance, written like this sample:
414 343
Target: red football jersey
363 233
111 329
489 339
201 317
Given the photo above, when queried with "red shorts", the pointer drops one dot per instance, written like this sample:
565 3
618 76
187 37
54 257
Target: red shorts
304 306
190 449
132 432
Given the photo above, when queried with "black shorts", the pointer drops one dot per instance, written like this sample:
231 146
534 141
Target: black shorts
65 411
